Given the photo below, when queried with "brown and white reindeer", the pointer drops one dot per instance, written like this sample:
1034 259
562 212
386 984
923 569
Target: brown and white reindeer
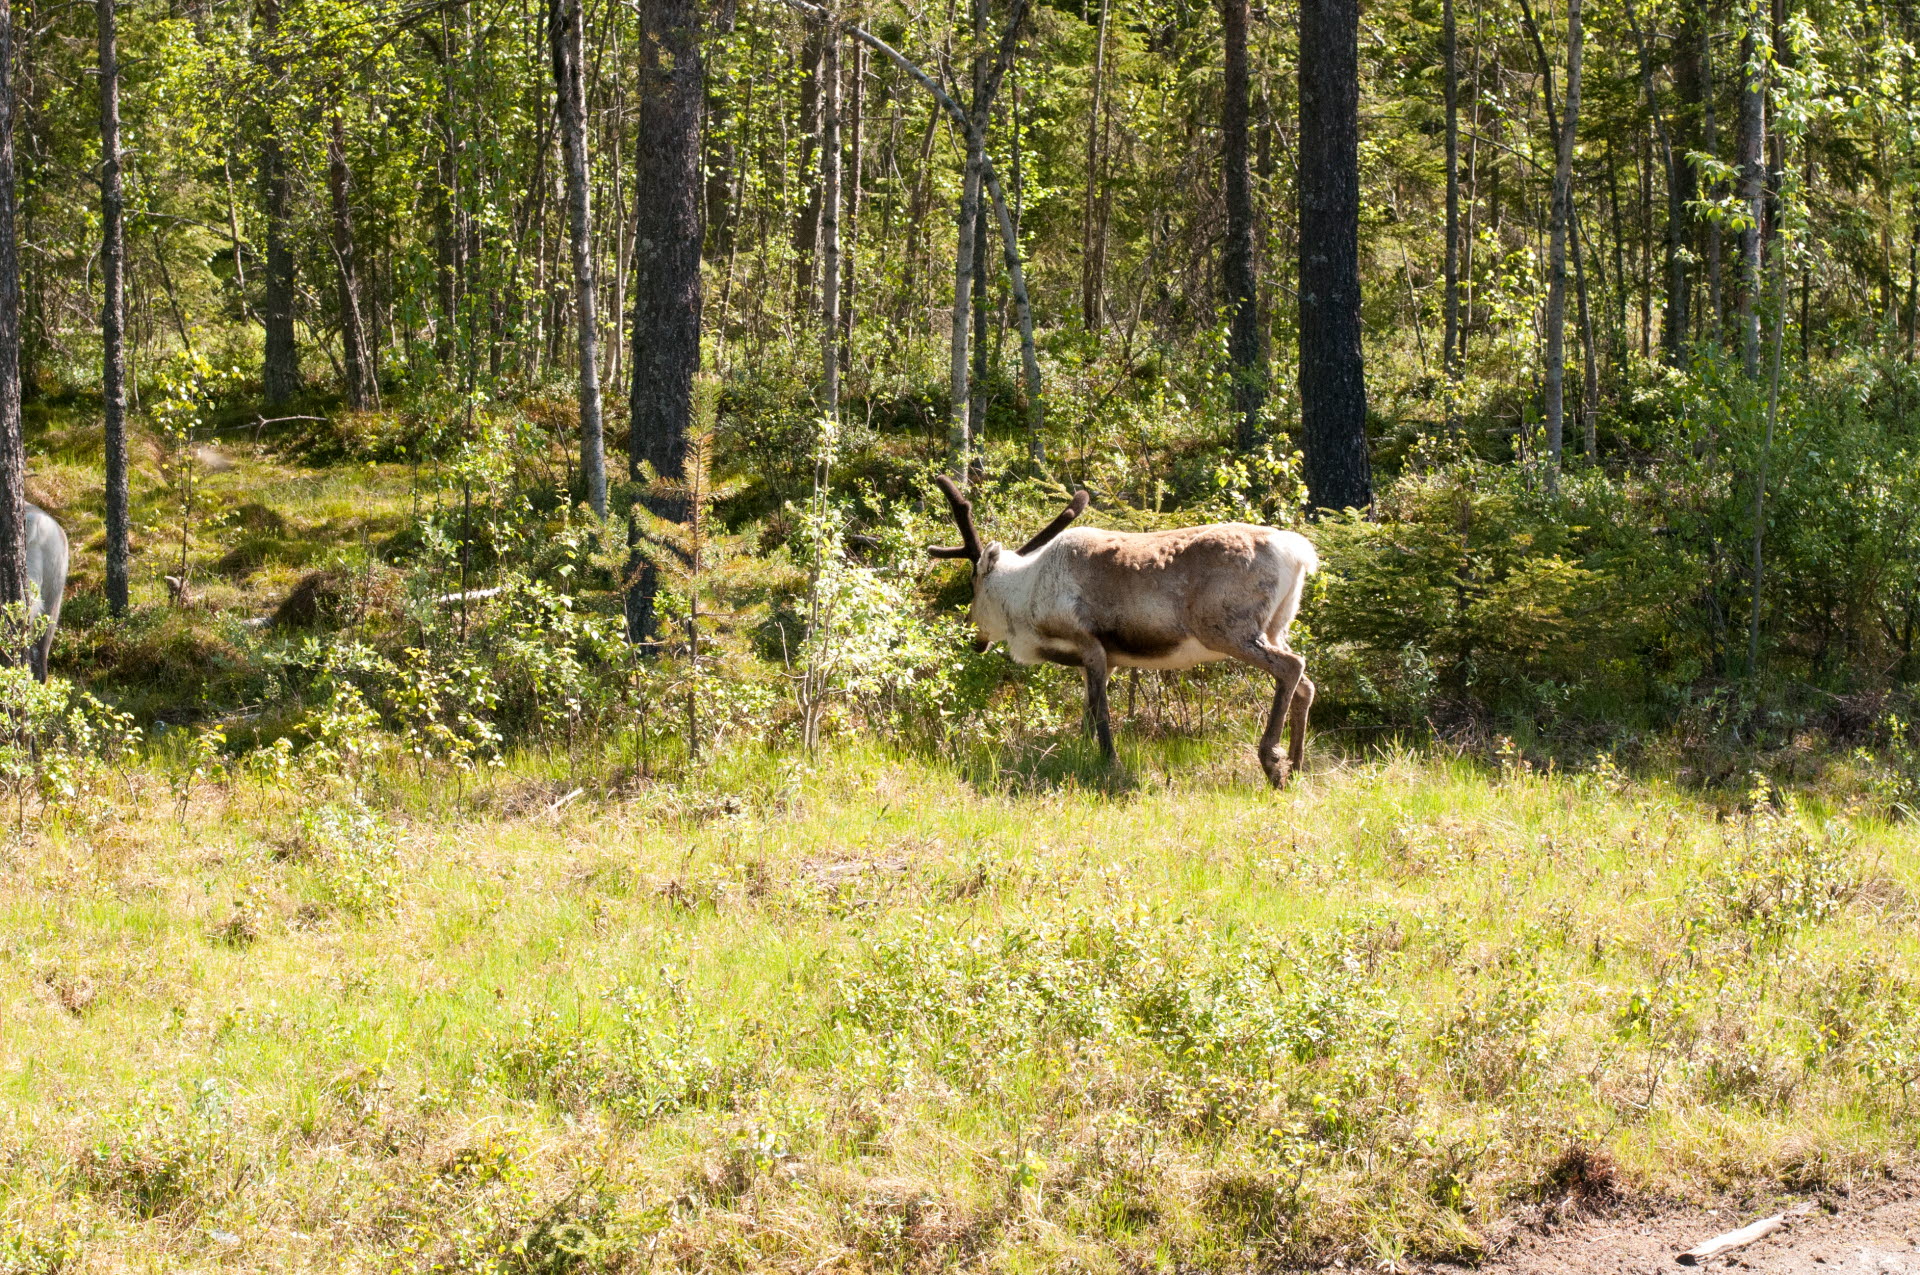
1100 600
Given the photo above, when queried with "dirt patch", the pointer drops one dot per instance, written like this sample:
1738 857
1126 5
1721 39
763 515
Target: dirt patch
1870 1233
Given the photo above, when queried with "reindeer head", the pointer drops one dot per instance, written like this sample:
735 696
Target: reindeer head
986 613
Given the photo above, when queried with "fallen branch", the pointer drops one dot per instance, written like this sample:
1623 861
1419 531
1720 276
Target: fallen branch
1732 1239
554 809
471 595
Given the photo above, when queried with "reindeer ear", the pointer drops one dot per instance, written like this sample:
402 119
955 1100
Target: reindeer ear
989 560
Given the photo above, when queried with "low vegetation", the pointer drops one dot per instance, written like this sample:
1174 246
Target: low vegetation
878 1010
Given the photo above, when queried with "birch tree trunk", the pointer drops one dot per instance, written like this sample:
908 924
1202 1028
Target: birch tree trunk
569 82
113 377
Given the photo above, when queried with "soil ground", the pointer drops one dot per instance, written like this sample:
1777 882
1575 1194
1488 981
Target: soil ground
1870 1232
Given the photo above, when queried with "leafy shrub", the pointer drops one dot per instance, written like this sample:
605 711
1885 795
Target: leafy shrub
353 855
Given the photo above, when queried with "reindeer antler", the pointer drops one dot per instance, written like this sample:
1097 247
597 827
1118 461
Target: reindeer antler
1075 507
969 547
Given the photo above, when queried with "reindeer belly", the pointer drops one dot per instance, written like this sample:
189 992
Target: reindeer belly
1184 653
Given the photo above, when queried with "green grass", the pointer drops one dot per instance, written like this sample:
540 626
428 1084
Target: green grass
866 1011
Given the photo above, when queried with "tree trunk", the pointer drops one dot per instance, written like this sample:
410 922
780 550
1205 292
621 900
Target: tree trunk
977 382
1450 56
1590 362
1239 264
280 363
570 88
361 390
850 229
13 458
1560 220
962 441
1333 386
1682 189
1753 182
959 438
1093 266
1716 316
830 221
666 263
806 222
113 378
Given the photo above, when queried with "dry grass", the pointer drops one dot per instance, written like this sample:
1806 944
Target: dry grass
859 1013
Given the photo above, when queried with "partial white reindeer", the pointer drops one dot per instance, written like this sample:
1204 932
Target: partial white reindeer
1099 600
47 574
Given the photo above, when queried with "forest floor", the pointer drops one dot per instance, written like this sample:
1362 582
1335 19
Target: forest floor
873 1011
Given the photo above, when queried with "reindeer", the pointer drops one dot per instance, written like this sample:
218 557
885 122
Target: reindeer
47 578
1099 600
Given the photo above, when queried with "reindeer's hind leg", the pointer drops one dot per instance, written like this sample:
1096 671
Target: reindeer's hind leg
1289 674
1093 658
1297 742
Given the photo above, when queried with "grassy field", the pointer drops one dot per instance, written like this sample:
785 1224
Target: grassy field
870 1012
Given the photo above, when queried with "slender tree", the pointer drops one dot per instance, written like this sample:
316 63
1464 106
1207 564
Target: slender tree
830 220
666 263
280 363
361 386
1333 386
570 89
850 220
1678 138
1560 222
961 439
13 459
1753 189
1450 70
1239 264
1093 265
113 381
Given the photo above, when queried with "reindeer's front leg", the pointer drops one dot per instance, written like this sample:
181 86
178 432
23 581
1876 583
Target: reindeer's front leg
1093 658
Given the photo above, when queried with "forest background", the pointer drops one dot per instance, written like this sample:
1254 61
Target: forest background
1630 419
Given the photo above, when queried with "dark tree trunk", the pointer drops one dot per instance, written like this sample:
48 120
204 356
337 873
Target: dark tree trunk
961 441
806 223
1753 181
1333 385
361 390
1450 56
569 80
13 458
1093 265
113 378
830 222
1716 316
1239 265
856 151
666 261
1560 223
280 365
1682 137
